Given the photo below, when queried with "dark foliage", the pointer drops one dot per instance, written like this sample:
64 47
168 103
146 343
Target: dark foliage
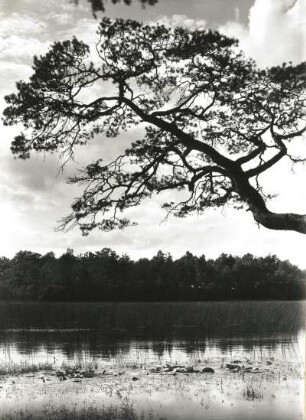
105 276
100 5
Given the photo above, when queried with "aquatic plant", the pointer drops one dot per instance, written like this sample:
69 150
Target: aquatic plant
252 394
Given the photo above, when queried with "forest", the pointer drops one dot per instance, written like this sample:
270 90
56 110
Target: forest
106 276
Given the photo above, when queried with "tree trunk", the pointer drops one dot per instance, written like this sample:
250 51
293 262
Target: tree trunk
257 205
239 179
280 221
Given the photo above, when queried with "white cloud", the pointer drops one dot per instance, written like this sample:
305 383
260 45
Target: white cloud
84 29
60 18
21 37
18 24
237 14
276 32
20 49
183 21
10 72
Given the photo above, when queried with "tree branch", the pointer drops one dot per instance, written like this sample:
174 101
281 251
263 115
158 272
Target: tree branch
251 155
268 164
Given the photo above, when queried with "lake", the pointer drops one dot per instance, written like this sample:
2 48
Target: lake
156 330
149 334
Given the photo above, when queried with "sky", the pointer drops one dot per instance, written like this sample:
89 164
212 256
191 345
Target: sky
34 194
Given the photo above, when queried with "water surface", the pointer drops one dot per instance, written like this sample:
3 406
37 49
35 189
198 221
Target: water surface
151 331
136 336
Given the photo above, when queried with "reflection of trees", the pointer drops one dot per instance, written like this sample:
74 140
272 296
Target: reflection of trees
76 347
162 348
116 330
72 345
93 348
157 321
99 5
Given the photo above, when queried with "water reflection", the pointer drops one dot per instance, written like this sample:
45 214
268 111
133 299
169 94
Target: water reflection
150 332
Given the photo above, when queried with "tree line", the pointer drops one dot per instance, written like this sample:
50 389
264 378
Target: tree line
106 276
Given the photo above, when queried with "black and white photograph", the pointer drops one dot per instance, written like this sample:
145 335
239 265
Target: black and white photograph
152 209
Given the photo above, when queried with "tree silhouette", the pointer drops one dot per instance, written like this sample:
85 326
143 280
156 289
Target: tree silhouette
212 122
99 5
106 276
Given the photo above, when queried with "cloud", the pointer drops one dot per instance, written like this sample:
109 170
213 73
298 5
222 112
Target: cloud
84 29
19 24
10 72
60 18
20 49
32 186
181 20
21 37
276 32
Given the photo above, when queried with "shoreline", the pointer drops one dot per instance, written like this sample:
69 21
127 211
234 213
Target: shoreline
236 387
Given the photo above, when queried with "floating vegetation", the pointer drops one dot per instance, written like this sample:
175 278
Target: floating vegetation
251 394
125 411
11 368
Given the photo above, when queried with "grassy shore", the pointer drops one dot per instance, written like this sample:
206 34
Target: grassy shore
239 389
